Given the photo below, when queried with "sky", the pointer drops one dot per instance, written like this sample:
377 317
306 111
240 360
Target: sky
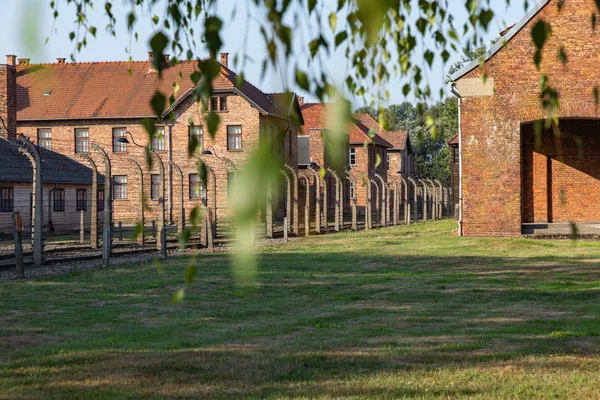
27 24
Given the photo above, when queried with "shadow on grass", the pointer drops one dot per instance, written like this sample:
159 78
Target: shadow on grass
321 324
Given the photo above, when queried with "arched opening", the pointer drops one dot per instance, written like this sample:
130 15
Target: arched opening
561 173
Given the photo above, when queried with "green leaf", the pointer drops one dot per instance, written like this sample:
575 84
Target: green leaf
562 56
184 238
158 44
311 5
429 57
190 274
192 145
333 21
340 38
212 123
302 79
158 103
178 296
196 216
540 33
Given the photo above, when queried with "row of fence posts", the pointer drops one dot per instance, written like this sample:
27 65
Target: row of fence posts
433 195
29 150
431 192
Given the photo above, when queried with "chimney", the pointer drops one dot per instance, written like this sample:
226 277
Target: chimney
11 60
301 100
60 60
8 99
150 57
166 58
225 59
24 61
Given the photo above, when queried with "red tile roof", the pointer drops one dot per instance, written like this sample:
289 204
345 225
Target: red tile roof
398 139
366 123
114 89
454 141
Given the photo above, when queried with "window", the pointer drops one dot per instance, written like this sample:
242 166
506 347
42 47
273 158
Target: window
351 188
230 184
7 199
154 185
81 199
100 200
45 138
196 135
223 105
117 146
120 187
58 195
352 156
196 187
214 101
388 162
158 141
234 137
456 156
82 144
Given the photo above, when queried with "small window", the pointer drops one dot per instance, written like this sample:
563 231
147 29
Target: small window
7 199
45 138
196 134
120 187
119 147
456 156
58 195
351 189
82 144
158 141
352 156
100 199
223 104
388 162
196 187
81 199
230 184
234 137
214 103
154 186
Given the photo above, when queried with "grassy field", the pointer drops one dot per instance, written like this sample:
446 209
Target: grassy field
406 312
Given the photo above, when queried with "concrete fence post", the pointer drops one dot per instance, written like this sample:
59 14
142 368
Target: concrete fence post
106 234
425 199
269 211
180 209
415 199
288 198
306 205
32 153
285 228
82 227
17 220
337 199
141 205
352 181
317 199
94 206
295 217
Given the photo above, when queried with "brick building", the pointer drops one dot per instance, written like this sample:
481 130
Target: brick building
509 176
67 106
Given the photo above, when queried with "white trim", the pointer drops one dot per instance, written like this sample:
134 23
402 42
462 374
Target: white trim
501 43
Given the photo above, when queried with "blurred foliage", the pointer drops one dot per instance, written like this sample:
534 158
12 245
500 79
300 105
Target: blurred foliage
380 40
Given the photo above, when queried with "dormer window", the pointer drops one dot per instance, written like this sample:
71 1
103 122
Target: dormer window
47 92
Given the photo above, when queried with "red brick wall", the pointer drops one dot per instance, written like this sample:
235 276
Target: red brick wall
8 97
240 112
560 179
491 135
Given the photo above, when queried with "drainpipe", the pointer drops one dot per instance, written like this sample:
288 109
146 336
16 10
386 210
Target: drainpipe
170 174
460 160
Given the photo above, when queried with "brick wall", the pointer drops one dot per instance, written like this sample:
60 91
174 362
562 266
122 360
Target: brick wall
8 97
240 112
491 125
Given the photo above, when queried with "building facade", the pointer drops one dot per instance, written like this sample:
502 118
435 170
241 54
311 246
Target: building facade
516 167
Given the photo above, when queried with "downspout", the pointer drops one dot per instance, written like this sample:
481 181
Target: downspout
170 175
460 160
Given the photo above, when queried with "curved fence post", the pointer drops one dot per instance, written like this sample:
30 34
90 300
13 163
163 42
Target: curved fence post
288 200
415 199
306 182
425 199
337 198
396 205
404 194
352 180
441 198
141 205
317 199
384 201
94 207
295 222
106 234
37 237
181 221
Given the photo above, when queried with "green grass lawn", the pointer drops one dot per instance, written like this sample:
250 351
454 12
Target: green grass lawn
406 312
